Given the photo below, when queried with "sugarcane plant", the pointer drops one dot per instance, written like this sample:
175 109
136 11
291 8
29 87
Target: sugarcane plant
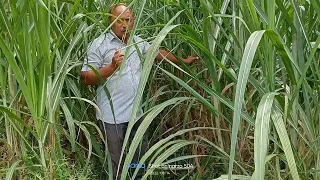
248 110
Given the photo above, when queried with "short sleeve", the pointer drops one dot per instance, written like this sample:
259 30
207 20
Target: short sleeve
93 58
145 47
143 44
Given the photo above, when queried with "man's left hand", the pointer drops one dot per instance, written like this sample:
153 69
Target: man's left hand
190 59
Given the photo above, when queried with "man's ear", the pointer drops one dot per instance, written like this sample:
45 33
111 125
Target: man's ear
110 18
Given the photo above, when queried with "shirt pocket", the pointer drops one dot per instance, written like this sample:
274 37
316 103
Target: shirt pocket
107 57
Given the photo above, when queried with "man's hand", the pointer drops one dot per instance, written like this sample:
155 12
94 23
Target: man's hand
190 59
117 59
172 58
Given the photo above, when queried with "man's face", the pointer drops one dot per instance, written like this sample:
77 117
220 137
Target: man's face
124 23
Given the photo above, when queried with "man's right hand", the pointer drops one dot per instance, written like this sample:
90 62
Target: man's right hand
117 58
90 78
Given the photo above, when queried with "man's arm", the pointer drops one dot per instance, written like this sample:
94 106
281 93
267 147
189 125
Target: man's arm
90 78
164 53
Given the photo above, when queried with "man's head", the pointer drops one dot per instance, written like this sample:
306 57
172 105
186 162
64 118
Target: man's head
125 21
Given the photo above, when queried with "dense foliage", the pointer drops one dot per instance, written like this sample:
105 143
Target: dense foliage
248 109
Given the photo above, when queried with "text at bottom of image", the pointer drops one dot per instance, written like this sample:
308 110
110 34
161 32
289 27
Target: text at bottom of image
161 169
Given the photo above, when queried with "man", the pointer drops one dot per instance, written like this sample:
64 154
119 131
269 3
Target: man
106 54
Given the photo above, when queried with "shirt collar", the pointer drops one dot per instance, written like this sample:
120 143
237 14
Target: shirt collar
113 36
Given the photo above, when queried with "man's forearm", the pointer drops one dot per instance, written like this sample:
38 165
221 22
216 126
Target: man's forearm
172 58
90 78
164 53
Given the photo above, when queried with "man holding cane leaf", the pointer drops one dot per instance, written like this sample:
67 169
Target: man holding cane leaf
105 55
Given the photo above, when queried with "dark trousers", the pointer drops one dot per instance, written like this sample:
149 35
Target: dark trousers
115 136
